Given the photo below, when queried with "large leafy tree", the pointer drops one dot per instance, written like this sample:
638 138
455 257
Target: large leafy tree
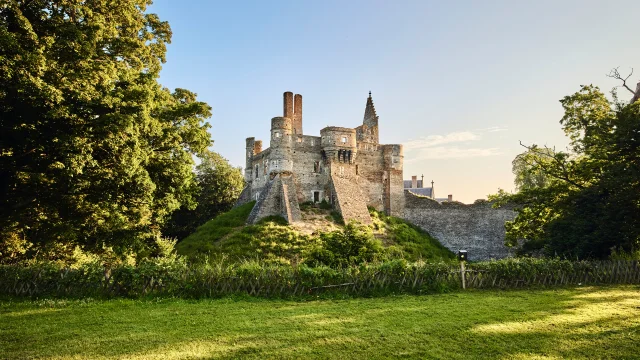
219 185
589 201
94 151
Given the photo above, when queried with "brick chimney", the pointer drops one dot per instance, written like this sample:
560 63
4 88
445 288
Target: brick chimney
297 114
288 105
414 181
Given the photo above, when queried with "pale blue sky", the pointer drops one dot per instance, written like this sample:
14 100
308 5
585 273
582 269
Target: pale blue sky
459 83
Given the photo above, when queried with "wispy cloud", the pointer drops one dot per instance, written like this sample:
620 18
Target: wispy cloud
450 152
434 140
495 129
449 146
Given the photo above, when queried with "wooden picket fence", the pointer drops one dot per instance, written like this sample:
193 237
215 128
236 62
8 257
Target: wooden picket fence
289 281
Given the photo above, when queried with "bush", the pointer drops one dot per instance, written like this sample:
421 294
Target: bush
353 245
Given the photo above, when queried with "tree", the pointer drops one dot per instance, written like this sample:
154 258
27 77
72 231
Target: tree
589 204
528 168
219 185
94 151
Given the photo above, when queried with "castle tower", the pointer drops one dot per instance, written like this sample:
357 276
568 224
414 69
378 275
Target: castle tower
393 191
339 145
282 138
248 171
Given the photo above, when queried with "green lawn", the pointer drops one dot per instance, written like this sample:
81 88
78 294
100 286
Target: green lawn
524 324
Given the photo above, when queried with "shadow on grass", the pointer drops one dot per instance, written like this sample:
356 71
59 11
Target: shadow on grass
567 323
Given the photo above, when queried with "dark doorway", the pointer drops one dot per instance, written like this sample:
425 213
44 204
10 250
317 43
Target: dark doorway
316 196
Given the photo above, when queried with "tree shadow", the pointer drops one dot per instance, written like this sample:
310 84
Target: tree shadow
566 323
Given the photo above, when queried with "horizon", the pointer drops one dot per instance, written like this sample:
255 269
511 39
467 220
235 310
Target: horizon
459 98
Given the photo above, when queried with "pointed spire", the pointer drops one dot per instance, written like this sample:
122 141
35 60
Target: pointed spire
370 116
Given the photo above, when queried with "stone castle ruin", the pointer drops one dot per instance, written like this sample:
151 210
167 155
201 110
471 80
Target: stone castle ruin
346 167
351 170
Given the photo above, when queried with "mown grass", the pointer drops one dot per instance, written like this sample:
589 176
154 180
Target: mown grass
544 324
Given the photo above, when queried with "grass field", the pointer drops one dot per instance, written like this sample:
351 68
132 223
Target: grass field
524 324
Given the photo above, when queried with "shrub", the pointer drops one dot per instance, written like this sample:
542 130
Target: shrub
352 245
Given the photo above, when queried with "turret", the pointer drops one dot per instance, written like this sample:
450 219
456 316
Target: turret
249 159
339 144
281 144
393 157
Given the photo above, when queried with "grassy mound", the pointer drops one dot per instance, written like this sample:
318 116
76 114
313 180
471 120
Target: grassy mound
272 239
203 240
411 242
228 235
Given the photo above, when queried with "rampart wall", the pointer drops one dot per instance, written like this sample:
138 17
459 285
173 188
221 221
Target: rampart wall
477 228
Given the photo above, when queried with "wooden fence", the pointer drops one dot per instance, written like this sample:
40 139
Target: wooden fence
290 281
598 273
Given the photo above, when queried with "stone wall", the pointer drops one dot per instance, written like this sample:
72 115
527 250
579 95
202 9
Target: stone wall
347 196
277 198
477 228
370 169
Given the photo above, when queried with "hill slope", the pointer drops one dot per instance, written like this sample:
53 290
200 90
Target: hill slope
274 240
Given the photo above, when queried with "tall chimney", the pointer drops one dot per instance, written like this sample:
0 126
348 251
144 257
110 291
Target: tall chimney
450 198
297 114
288 104
414 182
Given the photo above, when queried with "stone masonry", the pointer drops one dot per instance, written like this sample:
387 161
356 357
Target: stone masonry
346 167
477 228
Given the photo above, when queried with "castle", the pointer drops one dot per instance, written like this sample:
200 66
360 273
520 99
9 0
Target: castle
346 167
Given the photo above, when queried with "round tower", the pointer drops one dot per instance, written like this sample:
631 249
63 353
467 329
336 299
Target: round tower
281 145
339 144
248 171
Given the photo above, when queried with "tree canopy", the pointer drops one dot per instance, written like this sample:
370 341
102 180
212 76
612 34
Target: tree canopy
219 185
583 202
94 152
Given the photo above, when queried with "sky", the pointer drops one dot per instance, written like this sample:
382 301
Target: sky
459 83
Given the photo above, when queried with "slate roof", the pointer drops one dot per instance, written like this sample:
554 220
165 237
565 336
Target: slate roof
407 184
421 191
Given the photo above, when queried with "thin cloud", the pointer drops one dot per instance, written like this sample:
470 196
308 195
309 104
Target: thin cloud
434 140
449 146
451 152
495 129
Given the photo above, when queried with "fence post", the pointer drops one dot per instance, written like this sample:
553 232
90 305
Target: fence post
462 274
